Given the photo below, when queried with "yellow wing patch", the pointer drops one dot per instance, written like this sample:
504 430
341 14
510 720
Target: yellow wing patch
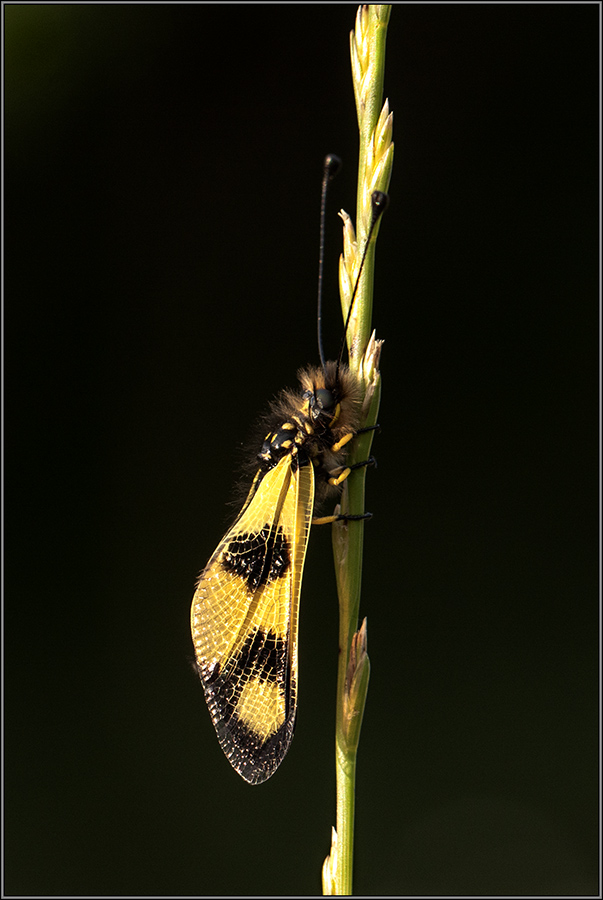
244 621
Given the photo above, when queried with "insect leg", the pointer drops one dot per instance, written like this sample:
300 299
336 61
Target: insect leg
344 472
352 434
368 428
327 520
342 517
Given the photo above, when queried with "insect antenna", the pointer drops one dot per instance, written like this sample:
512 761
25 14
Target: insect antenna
379 203
332 165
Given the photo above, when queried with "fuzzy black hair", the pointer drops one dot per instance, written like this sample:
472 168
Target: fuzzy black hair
346 391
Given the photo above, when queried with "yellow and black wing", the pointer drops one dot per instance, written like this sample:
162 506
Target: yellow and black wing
244 621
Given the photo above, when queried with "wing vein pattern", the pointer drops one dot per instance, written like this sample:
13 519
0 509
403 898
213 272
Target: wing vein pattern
244 620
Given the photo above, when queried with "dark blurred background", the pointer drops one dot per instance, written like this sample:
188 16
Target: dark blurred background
163 170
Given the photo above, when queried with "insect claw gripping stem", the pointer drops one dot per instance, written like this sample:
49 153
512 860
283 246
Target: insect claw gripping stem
341 517
376 428
371 461
345 517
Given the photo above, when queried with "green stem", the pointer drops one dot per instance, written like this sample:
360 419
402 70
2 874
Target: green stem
348 536
368 107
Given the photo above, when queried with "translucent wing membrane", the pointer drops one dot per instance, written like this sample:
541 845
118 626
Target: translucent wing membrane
244 621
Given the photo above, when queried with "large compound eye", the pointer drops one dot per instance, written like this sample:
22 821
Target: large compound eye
325 399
